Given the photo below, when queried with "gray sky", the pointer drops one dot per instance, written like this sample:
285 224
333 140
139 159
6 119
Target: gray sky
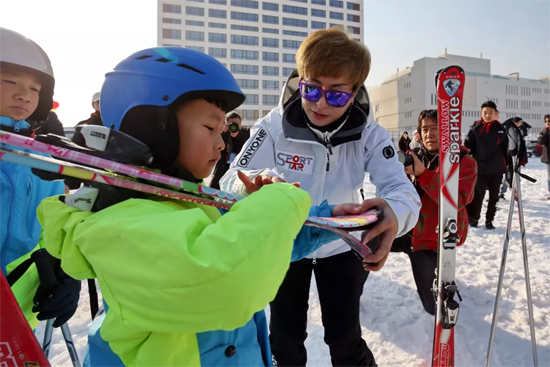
86 39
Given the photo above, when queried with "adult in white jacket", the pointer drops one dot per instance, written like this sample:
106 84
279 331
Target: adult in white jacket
323 136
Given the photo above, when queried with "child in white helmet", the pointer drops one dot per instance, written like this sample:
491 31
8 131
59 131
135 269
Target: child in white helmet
27 85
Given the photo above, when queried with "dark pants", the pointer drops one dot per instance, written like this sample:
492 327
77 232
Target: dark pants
423 264
219 171
484 183
340 280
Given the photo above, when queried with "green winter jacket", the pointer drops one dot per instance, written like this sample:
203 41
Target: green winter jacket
171 269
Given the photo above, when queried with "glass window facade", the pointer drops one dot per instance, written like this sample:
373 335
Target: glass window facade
318 25
219 2
247 17
270 30
270 19
294 33
270 70
252 4
295 22
354 18
244 69
217 37
244 54
174 34
354 6
239 27
270 56
270 6
270 85
336 15
171 21
270 42
217 25
197 23
217 52
191 10
294 10
318 13
247 83
289 58
244 40
216 13
270 100
194 36
169 8
291 44
251 99
337 4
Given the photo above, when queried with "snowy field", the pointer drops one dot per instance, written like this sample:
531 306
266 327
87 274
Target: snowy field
396 327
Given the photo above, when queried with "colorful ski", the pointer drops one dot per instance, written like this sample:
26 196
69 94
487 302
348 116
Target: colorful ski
18 345
85 200
450 89
105 164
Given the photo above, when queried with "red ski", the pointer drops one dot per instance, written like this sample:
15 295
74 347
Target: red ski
18 345
450 89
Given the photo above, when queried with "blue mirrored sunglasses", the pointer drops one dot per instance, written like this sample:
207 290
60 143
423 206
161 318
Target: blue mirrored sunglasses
334 98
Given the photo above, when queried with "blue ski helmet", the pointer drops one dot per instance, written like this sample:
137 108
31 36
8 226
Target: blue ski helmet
136 96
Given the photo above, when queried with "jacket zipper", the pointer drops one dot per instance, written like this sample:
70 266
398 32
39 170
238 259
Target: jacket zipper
328 147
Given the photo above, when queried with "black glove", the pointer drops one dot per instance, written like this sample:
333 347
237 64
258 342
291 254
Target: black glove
57 295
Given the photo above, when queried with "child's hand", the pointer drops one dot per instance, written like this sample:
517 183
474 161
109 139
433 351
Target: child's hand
346 209
259 181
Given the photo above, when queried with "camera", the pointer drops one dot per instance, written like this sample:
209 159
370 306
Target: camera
234 127
405 159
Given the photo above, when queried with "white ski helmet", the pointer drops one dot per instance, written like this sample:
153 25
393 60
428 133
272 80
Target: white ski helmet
22 53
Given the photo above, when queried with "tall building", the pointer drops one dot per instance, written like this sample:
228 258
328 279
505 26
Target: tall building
398 101
256 40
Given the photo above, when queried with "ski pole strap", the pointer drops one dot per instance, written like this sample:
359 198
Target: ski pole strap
18 272
528 178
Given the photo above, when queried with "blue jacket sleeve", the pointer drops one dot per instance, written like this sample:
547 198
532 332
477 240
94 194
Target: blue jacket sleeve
311 238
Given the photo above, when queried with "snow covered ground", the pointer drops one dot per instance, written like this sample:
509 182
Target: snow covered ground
396 327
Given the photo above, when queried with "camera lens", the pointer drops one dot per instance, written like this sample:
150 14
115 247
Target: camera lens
234 127
404 158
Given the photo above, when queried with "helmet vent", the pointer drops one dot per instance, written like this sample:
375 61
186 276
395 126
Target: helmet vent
163 59
143 57
190 68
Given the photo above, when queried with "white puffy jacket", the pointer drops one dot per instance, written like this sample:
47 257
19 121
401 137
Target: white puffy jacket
329 166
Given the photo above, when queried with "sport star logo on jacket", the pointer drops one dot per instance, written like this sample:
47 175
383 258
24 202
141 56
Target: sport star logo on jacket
295 162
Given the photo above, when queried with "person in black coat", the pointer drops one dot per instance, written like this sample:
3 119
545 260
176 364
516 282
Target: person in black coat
52 125
544 140
404 142
234 142
521 129
488 144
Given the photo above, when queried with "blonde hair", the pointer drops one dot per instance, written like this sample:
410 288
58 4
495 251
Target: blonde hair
334 53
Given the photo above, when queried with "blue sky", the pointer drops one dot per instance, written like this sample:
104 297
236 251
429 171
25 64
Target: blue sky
86 39
514 35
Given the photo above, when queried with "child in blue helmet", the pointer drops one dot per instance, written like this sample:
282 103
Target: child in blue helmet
27 85
182 284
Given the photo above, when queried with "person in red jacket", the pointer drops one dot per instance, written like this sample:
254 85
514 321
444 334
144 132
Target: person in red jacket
420 244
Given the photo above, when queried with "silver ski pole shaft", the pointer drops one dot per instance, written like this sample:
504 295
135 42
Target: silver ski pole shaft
70 345
501 275
47 337
526 268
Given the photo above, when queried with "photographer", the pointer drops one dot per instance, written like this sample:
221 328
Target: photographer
422 165
233 146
